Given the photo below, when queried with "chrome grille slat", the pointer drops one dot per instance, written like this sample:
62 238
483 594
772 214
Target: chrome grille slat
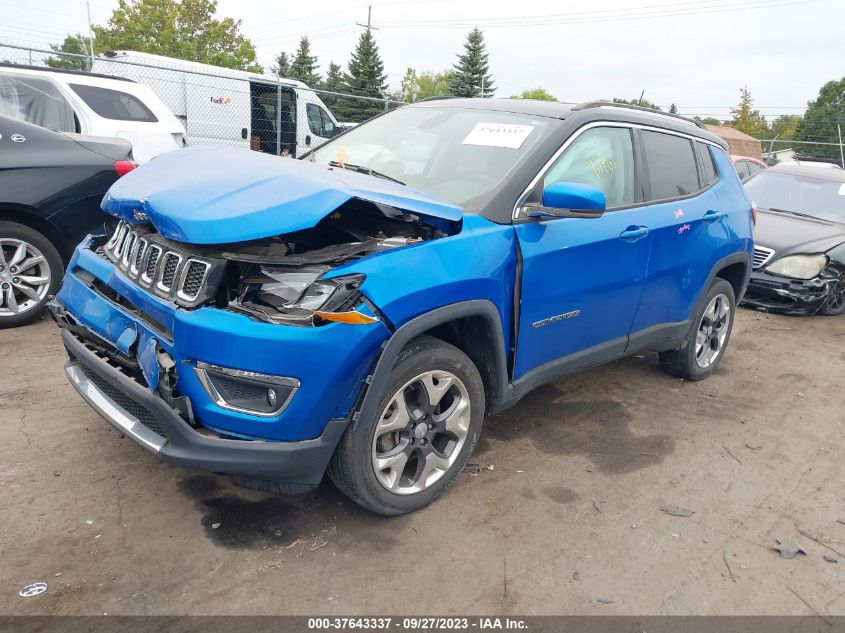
166 271
762 256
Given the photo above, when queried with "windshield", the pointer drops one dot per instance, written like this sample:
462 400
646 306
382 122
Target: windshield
798 193
460 155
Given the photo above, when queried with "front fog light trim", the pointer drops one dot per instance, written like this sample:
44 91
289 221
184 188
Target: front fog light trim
278 390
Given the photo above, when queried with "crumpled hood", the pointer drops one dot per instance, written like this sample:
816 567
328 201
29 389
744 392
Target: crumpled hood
216 195
787 233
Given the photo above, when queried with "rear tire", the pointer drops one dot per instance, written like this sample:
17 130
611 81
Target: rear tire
708 337
30 272
428 423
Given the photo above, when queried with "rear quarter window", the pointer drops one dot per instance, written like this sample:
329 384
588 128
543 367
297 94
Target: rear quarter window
114 104
709 172
672 170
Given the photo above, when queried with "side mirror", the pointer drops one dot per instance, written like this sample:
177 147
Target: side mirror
570 200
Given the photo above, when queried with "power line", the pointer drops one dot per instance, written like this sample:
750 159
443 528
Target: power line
668 11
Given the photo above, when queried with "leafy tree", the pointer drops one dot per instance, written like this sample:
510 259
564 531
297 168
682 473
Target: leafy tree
333 83
783 127
281 65
643 103
471 75
304 65
365 77
673 109
820 120
409 87
747 119
74 44
434 84
185 29
540 94
708 120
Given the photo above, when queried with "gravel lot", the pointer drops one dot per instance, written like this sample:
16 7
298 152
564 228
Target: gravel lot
566 519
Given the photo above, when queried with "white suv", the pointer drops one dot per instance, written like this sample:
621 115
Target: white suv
100 105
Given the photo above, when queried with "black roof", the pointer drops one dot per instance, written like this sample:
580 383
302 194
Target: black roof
561 110
834 174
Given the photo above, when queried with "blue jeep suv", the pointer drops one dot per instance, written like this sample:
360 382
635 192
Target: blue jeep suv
360 311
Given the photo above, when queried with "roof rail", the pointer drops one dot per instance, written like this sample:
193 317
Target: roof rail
610 104
64 71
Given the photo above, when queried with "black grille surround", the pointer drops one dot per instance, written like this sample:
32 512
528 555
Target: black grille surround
167 269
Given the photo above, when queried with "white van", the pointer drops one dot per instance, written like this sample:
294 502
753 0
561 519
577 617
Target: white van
88 103
230 107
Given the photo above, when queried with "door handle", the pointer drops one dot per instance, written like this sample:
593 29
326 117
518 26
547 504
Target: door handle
634 233
712 216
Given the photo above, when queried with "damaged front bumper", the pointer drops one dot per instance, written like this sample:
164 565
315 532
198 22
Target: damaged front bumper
110 324
771 293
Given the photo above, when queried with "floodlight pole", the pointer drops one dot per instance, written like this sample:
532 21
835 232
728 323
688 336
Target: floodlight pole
841 152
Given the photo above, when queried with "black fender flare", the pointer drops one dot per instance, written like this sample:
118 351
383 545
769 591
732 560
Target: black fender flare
734 258
483 308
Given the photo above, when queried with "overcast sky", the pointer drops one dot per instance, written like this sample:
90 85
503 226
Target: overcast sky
698 56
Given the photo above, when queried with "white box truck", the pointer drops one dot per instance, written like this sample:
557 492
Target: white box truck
230 107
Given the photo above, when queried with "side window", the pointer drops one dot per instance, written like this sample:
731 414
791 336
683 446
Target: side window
708 165
37 101
672 171
114 104
318 121
754 168
742 169
602 157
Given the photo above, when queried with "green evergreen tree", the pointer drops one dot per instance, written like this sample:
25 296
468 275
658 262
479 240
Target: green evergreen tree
281 65
820 121
74 44
333 83
304 65
471 75
365 77
673 109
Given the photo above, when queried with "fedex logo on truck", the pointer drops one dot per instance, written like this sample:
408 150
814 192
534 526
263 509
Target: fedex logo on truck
221 100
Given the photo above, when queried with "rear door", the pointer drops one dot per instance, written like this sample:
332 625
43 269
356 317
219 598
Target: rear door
687 224
582 278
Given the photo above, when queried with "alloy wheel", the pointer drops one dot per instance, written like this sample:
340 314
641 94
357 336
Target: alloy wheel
24 277
712 331
421 432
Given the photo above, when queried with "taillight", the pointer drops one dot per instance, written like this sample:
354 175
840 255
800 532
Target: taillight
754 213
123 167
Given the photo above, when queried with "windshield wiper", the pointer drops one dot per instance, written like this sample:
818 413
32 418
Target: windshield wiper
364 170
798 213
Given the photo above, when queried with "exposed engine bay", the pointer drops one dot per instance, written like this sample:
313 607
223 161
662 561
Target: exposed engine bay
278 279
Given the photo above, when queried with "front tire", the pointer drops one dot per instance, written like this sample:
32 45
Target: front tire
30 271
835 304
708 337
430 417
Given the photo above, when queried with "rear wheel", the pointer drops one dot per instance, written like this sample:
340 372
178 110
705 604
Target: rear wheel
30 271
430 418
708 336
835 304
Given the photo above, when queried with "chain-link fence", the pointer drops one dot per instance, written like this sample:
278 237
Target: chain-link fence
215 105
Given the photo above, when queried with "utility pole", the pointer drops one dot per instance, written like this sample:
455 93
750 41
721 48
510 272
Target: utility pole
482 86
841 152
90 36
369 24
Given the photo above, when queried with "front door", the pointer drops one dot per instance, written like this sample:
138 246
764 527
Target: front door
582 277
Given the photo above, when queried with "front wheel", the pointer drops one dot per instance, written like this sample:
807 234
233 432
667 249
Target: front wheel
708 337
835 304
30 271
430 418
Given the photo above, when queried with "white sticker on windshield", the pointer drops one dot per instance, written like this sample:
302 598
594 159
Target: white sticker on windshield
842 189
498 135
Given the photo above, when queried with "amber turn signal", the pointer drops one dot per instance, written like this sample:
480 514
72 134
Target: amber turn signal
352 317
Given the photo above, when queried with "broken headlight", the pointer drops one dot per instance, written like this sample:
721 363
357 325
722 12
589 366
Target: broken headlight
799 266
296 296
